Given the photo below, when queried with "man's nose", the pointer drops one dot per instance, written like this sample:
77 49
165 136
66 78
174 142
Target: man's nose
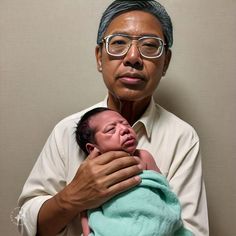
133 58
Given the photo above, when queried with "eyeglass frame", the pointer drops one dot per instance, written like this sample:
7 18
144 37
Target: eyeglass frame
105 40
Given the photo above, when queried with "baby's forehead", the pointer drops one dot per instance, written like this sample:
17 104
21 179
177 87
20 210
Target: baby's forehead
109 115
105 118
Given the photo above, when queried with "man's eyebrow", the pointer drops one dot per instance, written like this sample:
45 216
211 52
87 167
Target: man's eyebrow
140 35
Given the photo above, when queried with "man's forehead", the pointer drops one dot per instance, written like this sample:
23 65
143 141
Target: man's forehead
135 21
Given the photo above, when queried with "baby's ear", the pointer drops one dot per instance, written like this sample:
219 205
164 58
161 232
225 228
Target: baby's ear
90 147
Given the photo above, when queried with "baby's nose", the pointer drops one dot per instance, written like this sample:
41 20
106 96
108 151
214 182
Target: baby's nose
124 130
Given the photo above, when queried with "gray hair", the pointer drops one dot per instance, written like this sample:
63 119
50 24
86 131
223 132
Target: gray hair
151 6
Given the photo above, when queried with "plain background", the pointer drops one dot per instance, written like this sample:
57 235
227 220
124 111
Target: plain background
48 71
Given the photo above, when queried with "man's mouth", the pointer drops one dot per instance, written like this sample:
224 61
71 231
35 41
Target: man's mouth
131 78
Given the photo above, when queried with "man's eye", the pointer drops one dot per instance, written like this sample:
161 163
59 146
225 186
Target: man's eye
118 42
150 45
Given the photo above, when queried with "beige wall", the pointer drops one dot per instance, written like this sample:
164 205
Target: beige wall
47 71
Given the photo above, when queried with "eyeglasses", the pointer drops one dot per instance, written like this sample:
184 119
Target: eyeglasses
118 45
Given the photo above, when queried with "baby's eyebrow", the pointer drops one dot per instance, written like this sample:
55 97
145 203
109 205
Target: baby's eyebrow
114 123
111 123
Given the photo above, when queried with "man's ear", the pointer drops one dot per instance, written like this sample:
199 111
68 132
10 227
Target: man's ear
167 61
90 147
98 54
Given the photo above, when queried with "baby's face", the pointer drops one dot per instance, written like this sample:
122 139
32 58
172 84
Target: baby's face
113 132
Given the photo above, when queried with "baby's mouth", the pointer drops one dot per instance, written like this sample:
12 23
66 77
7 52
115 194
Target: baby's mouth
129 141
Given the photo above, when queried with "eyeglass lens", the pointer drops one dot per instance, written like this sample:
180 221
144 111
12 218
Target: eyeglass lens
148 46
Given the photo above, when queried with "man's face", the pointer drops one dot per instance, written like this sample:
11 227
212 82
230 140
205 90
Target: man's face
132 77
113 132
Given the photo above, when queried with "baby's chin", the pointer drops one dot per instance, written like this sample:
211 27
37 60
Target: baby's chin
130 146
130 149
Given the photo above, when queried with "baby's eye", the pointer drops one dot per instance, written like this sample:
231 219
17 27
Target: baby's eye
110 130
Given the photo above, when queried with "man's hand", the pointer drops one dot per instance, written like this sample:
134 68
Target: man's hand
101 177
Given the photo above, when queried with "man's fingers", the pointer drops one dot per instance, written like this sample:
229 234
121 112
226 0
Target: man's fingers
102 176
110 156
121 163
124 185
123 174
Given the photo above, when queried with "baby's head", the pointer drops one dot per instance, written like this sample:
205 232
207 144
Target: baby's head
106 130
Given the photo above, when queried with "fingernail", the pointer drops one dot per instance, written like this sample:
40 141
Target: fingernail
140 167
137 178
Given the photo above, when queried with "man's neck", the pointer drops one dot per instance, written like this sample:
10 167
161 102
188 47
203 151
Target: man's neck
130 110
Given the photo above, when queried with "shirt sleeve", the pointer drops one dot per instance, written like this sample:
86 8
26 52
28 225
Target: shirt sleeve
186 180
45 180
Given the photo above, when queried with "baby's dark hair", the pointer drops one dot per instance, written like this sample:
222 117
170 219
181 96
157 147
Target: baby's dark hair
84 133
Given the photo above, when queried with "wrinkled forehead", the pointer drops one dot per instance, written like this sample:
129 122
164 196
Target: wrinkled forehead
100 120
135 22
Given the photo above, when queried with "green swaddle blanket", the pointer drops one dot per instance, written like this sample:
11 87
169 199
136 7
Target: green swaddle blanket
149 209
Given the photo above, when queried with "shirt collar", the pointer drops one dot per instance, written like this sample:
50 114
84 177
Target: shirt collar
148 118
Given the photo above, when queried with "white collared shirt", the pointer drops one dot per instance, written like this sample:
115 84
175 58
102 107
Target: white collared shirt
173 143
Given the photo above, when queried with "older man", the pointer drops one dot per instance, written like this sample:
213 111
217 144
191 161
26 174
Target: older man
132 54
